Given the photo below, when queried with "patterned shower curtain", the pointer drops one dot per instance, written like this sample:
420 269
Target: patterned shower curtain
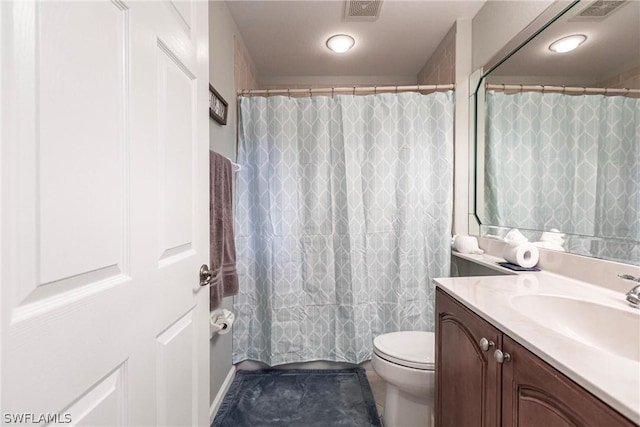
566 162
343 218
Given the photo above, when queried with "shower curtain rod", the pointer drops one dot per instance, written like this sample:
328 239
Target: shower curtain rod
562 89
345 90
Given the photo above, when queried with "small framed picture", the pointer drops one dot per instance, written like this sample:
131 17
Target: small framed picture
217 106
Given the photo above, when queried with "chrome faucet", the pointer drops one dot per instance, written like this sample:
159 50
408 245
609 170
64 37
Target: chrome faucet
633 296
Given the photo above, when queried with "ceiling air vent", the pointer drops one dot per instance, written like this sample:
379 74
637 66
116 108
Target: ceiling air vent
599 10
362 10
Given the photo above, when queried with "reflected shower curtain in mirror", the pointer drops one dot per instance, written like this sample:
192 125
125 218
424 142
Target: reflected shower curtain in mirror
342 219
566 162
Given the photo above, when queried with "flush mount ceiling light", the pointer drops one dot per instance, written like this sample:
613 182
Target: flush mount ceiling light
567 44
340 43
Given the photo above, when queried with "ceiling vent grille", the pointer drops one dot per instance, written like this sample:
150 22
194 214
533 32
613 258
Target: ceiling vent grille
362 10
599 10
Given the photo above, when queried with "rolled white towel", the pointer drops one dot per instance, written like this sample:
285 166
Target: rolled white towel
466 245
550 245
553 236
515 238
552 239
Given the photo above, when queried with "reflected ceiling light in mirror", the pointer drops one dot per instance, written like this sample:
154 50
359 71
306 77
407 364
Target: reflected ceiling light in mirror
340 43
567 44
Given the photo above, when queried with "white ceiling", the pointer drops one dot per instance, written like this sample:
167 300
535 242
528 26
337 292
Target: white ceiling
287 38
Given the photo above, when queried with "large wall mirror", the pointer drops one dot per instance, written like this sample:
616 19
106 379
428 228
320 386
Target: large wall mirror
558 135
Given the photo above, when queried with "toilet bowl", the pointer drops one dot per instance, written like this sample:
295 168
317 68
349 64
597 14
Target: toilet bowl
406 362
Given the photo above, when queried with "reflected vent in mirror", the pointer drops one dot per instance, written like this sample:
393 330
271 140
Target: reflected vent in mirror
362 10
599 10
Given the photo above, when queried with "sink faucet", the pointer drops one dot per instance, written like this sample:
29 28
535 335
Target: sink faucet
633 296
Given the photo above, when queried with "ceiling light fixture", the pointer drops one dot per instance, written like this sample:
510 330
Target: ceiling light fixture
340 43
567 44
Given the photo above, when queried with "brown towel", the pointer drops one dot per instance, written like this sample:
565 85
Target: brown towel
222 246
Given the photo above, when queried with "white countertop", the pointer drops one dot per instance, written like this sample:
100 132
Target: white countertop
612 378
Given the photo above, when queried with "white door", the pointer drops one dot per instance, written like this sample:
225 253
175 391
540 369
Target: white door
104 212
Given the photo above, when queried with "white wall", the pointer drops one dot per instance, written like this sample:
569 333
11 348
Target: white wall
462 141
304 82
222 30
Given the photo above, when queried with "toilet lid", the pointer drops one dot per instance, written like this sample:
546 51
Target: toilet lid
414 349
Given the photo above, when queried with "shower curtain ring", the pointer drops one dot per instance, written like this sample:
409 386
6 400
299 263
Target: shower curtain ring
310 95
289 92
354 91
267 93
375 90
396 89
332 90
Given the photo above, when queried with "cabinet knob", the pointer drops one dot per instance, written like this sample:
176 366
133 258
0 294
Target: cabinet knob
486 344
501 357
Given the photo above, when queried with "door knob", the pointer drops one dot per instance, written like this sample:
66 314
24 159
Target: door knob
501 357
486 344
206 276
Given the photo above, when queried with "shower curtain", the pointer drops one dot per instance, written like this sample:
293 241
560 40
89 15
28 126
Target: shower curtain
566 162
343 218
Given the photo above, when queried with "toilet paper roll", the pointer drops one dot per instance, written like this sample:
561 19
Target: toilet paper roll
221 322
525 255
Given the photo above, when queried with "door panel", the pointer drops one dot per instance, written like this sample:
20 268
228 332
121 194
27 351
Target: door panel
65 210
104 201
182 10
105 404
176 95
57 210
75 141
176 347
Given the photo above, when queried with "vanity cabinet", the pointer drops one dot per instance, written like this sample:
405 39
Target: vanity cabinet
477 387
467 378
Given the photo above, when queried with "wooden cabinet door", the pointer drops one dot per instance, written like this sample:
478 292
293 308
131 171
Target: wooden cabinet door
535 394
467 377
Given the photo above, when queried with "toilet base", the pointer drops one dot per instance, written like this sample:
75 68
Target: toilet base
406 410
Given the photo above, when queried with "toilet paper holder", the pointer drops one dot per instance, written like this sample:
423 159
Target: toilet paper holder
220 322
215 327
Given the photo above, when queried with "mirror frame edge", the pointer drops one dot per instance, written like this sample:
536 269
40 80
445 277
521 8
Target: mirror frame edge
554 12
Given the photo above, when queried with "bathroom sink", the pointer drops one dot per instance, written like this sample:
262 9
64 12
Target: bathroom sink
616 331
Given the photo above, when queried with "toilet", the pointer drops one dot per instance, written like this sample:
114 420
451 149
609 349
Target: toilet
406 362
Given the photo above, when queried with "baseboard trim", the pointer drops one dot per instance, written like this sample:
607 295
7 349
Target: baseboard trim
215 405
